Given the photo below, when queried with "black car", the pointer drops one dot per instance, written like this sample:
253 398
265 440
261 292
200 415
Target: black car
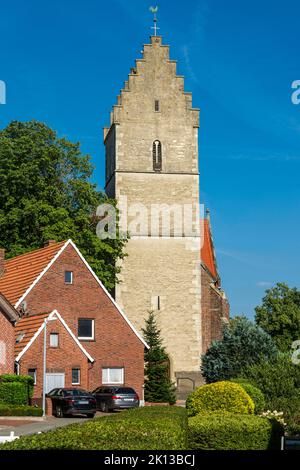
72 401
115 398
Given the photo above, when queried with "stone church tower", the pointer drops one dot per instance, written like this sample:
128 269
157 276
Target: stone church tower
152 170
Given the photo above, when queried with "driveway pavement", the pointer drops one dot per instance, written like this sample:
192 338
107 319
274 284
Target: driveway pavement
24 427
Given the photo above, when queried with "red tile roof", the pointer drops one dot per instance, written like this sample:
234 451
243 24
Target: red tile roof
21 271
27 326
207 250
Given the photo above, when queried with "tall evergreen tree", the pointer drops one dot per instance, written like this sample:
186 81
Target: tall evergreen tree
158 387
46 193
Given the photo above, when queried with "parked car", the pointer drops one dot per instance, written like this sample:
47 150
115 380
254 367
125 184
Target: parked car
72 401
115 398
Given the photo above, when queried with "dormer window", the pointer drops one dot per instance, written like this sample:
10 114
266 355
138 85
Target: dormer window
157 156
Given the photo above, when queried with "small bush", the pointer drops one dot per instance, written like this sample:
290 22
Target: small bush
13 410
219 396
254 393
13 393
228 431
150 428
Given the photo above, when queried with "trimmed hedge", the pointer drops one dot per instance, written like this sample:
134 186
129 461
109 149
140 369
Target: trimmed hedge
13 410
254 393
13 393
15 389
219 396
230 431
151 428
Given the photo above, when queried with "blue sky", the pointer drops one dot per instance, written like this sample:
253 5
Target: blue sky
65 61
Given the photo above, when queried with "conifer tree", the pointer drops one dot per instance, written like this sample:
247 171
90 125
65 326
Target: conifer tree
158 387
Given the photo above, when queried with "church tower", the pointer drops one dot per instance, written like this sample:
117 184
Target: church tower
152 171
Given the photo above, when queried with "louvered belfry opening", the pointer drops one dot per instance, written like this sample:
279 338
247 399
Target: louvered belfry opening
157 156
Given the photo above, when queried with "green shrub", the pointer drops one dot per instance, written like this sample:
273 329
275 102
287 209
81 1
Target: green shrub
293 428
25 380
15 410
229 431
244 343
279 381
13 393
254 393
219 396
149 428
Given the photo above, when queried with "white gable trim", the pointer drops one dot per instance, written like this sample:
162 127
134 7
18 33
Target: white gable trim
109 296
70 242
42 274
54 315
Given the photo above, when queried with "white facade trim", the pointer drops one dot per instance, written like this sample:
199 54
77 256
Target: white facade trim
55 315
70 242
41 274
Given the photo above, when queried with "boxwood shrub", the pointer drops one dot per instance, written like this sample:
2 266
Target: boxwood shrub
219 396
230 431
254 392
19 410
150 428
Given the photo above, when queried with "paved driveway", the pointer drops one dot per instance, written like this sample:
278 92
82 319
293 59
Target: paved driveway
24 427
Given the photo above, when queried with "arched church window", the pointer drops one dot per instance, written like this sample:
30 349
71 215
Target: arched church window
157 156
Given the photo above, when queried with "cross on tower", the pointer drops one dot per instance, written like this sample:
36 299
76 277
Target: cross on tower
154 10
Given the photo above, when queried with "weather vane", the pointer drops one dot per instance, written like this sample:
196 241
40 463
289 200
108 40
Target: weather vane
154 10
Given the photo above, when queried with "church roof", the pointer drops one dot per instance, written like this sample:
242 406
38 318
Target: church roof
208 257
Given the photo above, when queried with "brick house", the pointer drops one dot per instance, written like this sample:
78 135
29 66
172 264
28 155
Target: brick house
58 278
8 317
215 306
62 344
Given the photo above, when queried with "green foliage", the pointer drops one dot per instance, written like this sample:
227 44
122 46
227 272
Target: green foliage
293 428
244 343
279 380
158 387
26 380
46 194
19 410
279 315
150 428
228 431
254 393
13 393
219 396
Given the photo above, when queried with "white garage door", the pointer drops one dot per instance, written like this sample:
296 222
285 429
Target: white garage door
54 381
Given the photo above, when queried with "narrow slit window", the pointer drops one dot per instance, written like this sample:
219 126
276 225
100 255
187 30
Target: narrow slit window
157 156
157 107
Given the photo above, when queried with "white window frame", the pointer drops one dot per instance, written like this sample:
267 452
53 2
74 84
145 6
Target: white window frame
51 336
34 378
72 277
108 374
79 376
92 338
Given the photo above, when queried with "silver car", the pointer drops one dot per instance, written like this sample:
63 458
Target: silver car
115 398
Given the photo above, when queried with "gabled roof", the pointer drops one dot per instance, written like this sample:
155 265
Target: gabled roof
29 328
207 251
20 272
8 310
23 272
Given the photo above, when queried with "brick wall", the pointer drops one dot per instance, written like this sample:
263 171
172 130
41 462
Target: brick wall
115 343
215 308
62 359
7 342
